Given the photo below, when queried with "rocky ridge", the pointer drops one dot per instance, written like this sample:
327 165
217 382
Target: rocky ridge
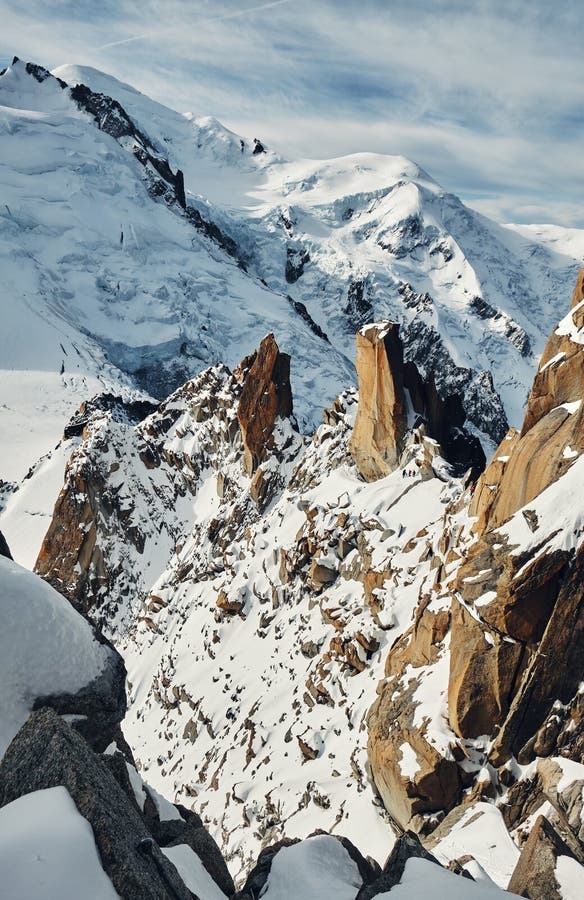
386 583
307 248
136 844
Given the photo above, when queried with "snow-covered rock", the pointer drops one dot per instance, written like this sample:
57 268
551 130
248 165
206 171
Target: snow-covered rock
47 850
49 655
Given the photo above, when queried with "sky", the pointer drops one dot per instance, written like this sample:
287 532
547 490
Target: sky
486 95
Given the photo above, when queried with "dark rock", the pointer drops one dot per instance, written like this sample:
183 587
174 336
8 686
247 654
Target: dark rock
444 415
209 853
101 704
116 763
407 846
161 181
212 231
258 147
482 404
407 236
131 412
257 878
534 874
359 308
369 870
4 548
306 317
554 672
46 753
296 259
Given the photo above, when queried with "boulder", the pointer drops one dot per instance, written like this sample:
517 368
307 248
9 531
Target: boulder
379 432
45 753
99 707
535 873
257 878
406 847
562 784
199 840
51 656
412 776
265 396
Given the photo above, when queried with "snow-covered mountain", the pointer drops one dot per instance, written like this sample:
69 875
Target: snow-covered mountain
325 627
311 649
113 275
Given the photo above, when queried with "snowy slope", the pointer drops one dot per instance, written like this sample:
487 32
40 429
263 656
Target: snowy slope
151 308
47 850
257 717
371 224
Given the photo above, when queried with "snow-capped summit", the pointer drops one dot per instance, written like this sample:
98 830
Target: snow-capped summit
112 276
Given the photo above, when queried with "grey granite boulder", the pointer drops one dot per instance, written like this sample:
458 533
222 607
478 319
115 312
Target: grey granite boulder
45 753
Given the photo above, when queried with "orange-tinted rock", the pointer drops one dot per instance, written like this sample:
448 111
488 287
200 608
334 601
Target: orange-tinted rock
555 670
378 435
433 781
514 649
525 464
265 395
483 673
229 605
69 557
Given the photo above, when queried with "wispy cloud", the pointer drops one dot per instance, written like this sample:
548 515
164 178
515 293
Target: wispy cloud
484 94
222 17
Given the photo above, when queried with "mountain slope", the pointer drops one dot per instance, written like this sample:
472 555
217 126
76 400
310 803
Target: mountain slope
114 276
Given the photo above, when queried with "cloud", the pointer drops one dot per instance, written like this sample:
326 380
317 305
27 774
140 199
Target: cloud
484 94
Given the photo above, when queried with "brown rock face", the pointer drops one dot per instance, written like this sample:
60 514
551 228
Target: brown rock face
528 462
265 395
483 673
517 631
433 782
380 426
534 874
554 671
69 558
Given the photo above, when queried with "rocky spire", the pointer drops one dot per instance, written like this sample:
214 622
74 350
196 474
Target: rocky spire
265 396
378 436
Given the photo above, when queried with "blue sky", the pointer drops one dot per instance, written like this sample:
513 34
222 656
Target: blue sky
486 96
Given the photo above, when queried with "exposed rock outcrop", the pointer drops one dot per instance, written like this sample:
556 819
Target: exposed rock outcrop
445 417
511 591
516 645
47 753
265 396
552 435
51 656
411 774
406 847
535 874
380 427
4 548
133 412
379 434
